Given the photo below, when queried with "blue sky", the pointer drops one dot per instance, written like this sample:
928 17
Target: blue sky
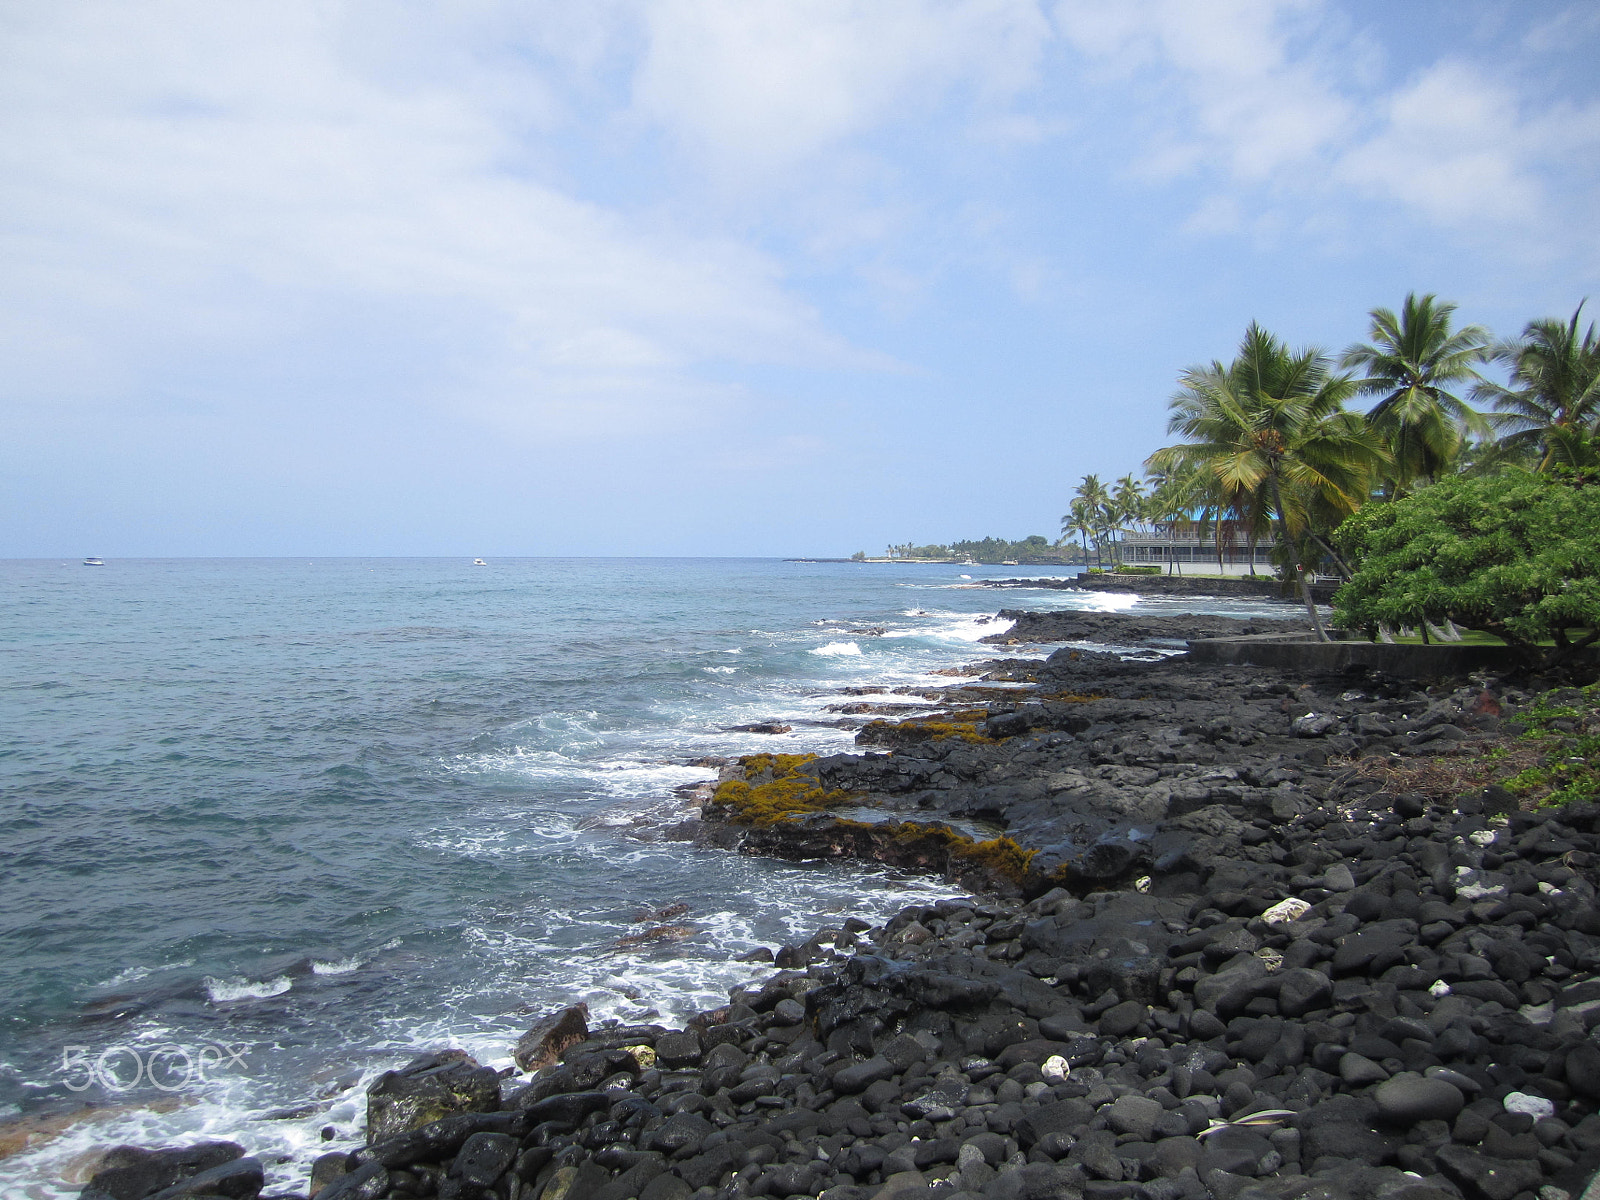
720 276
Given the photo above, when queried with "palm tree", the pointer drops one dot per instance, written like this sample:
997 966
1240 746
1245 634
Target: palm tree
1247 515
1129 501
1079 519
1492 456
1554 401
1272 430
1412 362
1171 505
1094 495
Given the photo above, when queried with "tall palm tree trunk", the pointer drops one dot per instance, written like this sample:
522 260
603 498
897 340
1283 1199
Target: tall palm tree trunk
1300 571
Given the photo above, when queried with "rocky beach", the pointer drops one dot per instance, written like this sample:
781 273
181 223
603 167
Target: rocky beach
1215 933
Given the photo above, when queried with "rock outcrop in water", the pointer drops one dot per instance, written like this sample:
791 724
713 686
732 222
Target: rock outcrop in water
1130 630
206 1169
1373 998
1105 770
1247 937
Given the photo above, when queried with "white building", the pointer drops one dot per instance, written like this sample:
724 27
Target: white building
1198 554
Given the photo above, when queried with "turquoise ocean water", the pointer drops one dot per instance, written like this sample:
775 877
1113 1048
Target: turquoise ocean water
267 827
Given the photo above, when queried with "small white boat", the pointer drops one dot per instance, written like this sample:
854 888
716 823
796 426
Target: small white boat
94 562
478 562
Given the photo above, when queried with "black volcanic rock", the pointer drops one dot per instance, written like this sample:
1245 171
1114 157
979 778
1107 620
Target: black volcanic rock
1308 979
131 1173
426 1089
1120 629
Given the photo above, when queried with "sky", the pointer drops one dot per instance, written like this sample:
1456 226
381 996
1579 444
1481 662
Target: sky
720 277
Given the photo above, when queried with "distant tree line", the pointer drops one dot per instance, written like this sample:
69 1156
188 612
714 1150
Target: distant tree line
983 550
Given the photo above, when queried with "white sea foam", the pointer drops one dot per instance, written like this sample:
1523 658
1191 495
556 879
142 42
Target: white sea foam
671 976
123 978
517 759
719 670
839 650
1107 602
634 779
480 844
966 627
342 966
663 979
946 626
591 774
134 974
224 991
227 1106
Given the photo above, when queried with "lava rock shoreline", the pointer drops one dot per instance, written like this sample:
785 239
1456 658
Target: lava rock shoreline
1107 768
1258 951
1057 626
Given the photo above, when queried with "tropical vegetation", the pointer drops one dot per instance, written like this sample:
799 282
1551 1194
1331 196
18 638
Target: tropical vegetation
1551 410
1273 448
1514 555
1411 363
1435 494
1270 431
985 550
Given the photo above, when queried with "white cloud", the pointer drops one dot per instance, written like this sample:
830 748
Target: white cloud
1217 214
1454 145
1279 109
1561 29
184 178
760 89
189 188
1450 145
1223 75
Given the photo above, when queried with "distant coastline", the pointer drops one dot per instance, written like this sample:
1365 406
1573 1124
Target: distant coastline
951 562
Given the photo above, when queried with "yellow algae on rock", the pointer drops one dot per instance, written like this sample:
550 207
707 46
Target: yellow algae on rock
773 789
1000 855
962 725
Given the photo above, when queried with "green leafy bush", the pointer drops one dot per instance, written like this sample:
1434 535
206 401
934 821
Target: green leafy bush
1516 556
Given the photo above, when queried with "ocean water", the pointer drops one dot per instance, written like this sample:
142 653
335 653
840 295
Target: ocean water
269 827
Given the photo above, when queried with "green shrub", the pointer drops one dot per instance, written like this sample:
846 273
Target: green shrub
1516 556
